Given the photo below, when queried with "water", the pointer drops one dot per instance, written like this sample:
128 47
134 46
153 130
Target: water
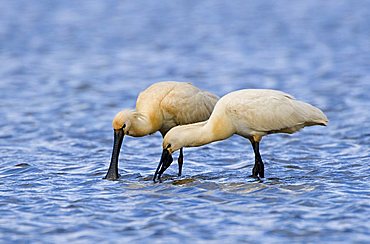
67 67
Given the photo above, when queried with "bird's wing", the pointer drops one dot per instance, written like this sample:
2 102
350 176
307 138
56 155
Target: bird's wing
187 104
274 112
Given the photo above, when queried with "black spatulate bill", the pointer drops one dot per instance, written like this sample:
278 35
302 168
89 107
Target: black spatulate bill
112 173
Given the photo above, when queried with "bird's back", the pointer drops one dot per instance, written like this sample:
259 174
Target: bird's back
187 104
269 111
176 103
151 97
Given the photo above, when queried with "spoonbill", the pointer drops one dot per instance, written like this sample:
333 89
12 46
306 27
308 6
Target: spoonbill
250 113
160 107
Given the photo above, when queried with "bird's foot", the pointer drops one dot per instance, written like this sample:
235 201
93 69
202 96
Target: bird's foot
258 170
256 178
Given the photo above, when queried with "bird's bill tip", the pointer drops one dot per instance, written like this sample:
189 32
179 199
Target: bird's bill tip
164 163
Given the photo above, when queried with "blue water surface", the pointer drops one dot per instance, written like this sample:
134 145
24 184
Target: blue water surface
66 68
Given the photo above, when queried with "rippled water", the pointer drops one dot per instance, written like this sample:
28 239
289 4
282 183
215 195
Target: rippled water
66 67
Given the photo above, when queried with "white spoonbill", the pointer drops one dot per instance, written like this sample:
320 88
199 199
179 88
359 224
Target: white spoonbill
160 107
250 113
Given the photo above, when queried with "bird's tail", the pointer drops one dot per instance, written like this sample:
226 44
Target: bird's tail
312 115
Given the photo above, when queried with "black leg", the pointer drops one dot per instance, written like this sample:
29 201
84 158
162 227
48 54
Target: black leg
259 168
180 161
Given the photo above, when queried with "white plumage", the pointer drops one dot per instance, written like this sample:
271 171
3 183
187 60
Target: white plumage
160 107
251 113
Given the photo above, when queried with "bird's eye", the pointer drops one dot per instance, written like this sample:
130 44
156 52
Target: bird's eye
123 126
168 146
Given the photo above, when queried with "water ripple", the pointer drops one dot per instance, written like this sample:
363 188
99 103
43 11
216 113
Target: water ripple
67 68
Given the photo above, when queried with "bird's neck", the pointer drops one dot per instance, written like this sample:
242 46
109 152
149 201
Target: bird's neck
206 132
142 125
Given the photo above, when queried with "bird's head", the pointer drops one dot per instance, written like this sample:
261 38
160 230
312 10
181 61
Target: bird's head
172 141
182 136
177 138
122 121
